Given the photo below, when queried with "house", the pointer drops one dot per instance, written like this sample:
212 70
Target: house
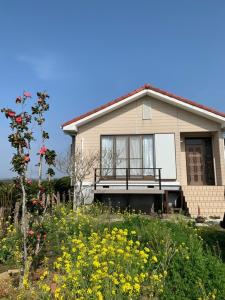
166 150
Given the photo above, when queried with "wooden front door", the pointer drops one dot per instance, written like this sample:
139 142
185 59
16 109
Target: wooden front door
199 161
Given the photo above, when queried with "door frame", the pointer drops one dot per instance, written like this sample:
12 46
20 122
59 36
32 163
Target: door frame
212 154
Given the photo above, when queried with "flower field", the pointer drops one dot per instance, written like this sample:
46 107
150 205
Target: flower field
94 254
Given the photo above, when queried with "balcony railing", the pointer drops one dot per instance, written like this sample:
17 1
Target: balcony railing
128 174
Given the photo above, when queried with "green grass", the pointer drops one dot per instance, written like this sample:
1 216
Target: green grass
214 238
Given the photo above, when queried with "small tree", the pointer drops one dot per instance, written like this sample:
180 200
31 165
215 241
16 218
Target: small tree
80 167
33 206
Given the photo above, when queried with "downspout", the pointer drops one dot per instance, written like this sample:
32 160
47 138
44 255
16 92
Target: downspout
72 176
72 154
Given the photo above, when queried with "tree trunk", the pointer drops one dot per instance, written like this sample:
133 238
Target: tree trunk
24 220
74 198
24 231
16 214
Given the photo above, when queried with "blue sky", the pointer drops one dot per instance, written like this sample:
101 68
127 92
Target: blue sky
85 53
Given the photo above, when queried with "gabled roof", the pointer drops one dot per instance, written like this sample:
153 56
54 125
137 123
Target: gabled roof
147 89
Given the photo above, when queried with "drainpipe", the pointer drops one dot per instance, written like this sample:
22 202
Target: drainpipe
73 153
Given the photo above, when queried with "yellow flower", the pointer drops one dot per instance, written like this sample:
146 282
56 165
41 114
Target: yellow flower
122 280
126 287
56 278
143 254
130 243
155 277
137 243
128 277
99 295
137 287
142 275
154 259
45 273
25 283
57 293
120 251
96 264
45 288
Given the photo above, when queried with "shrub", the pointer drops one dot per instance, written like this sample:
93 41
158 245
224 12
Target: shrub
62 184
10 245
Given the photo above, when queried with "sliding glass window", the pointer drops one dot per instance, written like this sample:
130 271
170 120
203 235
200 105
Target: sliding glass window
121 155
107 156
136 161
133 152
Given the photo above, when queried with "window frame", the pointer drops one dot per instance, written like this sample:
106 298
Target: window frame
128 136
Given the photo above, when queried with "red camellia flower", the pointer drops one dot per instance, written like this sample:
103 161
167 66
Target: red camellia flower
34 201
30 232
11 114
43 150
29 181
18 120
27 94
27 158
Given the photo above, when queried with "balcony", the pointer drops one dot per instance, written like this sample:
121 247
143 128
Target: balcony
128 177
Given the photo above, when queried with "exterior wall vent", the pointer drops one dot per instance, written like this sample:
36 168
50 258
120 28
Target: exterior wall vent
146 109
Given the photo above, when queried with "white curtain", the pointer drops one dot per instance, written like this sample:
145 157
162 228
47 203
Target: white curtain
121 155
135 156
141 155
107 156
148 155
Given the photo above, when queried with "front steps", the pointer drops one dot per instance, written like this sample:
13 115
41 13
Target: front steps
207 200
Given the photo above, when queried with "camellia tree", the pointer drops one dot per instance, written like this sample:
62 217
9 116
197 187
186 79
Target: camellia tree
33 206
